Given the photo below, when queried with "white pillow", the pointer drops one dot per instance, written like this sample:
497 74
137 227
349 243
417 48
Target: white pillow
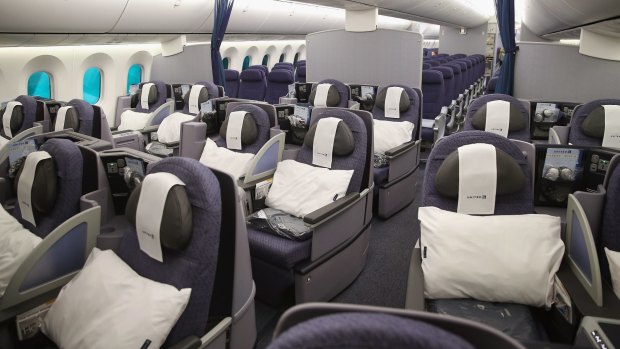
170 128
134 121
108 305
16 243
509 258
223 159
299 189
390 134
613 258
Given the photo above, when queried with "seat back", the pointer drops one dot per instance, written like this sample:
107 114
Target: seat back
277 85
491 85
360 160
576 135
433 62
521 135
163 92
343 91
458 55
463 75
92 120
212 91
263 68
195 265
253 85
448 84
457 78
232 82
27 113
469 73
609 236
520 202
69 165
287 65
263 126
412 114
300 73
426 66
433 92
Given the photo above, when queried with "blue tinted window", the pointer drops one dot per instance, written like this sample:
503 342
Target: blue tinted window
266 60
281 58
246 62
296 59
91 86
225 62
40 84
134 76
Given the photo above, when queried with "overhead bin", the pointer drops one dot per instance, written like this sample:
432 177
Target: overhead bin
163 16
548 16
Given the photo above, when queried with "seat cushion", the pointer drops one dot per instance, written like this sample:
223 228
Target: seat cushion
381 174
428 134
278 250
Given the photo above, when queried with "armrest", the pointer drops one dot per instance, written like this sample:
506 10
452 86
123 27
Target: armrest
401 149
193 138
191 342
217 332
169 105
592 204
288 100
559 134
150 128
439 128
326 211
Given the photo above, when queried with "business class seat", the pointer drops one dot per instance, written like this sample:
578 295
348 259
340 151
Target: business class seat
511 116
277 85
332 250
19 117
48 185
165 138
588 125
232 82
203 247
149 106
253 85
329 325
442 194
396 150
434 116
490 87
83 118
338 94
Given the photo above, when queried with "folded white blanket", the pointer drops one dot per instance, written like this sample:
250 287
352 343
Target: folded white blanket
170 128
390 134
225 160
134 121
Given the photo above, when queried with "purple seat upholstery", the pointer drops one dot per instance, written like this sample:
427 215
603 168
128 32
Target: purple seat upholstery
195 266
367 330
433 62
521 135
448 84
609 235
277 85
263 125
300 73
343 90
458 55
469 72
491 85
69 166
426 66
212 89
456 77
441 60
29 105
521 202
232 82
288 65
85 115
162 94
260 67
253 85
576 135
433 92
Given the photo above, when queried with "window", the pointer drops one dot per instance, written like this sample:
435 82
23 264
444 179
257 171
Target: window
246 62
40 85
266 60
295 59
281 58
225 62
91 85
134 76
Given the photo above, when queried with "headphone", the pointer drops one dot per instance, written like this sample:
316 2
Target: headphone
548 115
563 173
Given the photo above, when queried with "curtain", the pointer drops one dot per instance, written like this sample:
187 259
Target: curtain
223 9
506 23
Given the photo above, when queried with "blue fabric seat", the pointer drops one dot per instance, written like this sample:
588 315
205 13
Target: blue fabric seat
277 85
29 115
433 92
576 135
232 82
253 84
521 135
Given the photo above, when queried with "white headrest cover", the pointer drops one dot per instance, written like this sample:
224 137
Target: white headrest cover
233 132
320 98
477 179
194 94
498 117
59 125
24 186
611 136
6 117
392 102
150 210
144 96
323 145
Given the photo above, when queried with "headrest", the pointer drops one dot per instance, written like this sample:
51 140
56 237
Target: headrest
426 66
431 77
445 71
249 129
197 91
281 76
333 97
231 74
67 117
151 89
301 70
252 75
456 69
344 143
405 103
510 178
516 123
12 118
175 229
594 124
44 182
